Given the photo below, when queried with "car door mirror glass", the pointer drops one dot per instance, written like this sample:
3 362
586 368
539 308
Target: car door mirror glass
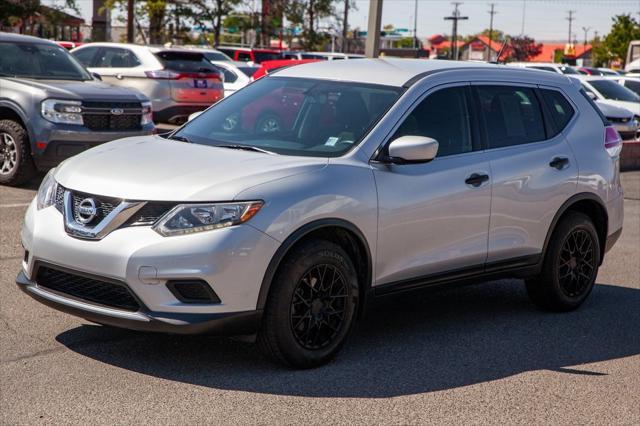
413 149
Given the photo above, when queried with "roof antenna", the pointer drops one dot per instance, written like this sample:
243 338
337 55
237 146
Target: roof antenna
504 45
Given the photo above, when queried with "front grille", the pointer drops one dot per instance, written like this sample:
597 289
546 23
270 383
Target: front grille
112 122
60 198
619 120
88 289
104 206
99 115
150 213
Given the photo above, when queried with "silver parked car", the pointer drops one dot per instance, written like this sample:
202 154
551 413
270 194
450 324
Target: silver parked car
382 176
623 120
179 82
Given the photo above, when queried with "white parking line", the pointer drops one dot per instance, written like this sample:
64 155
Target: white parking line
9 206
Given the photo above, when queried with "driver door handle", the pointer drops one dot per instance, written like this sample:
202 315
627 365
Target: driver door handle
477 179
559 163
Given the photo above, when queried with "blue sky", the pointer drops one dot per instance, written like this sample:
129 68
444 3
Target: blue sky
544 19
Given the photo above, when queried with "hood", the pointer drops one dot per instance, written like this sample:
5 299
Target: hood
83 90
156 169
634 107
612 111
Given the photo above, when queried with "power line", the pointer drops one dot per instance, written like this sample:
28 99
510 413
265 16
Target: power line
455 17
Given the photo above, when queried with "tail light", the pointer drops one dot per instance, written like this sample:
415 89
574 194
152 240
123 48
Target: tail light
174 75
612 141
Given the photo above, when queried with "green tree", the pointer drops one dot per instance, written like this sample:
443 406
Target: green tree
12 11
306 13
615 44
496 35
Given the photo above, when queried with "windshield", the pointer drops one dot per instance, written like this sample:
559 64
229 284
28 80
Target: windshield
39 61
614 91
293 116
568 70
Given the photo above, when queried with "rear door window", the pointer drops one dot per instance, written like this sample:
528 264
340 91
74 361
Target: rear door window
113 57
559 109
511 115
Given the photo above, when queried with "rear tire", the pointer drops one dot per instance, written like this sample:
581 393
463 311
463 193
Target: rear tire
570 265
311 306
16 164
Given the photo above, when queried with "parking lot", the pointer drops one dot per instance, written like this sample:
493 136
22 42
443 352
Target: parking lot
478 354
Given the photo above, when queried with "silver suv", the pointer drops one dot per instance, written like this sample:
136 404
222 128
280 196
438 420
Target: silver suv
286 208
51 108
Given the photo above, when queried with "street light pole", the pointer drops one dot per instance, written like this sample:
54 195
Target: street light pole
130 18
415 25
372 46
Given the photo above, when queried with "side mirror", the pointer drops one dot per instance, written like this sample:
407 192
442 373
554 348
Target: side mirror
412 149
194 115
592 96
96 76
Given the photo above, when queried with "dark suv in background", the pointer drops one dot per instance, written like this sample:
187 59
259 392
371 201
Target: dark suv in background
51 108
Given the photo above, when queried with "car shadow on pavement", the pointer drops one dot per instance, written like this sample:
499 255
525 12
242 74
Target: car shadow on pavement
412 344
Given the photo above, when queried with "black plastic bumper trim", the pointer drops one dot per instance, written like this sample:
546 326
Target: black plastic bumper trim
233 323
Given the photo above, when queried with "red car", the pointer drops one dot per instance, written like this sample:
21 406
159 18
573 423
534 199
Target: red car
69 44
270 66
246 54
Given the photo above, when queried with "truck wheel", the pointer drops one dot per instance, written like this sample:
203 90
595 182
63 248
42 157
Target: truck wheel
311 307
570 265
16 165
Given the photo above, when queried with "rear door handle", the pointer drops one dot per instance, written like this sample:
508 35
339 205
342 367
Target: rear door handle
476 179
559 162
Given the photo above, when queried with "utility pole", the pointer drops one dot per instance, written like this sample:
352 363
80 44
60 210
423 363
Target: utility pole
586 31
345 27
491 12
130 18
415 25
372 46
455 17
570 19
524 13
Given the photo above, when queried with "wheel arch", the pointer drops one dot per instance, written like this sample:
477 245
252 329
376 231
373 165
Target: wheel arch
10 111
589 204
339 231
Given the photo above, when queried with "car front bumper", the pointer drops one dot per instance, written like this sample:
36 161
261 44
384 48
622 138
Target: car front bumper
232 261
65 141
233 323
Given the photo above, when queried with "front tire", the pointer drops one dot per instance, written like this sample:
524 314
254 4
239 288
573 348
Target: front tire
311 307
570 265
16 165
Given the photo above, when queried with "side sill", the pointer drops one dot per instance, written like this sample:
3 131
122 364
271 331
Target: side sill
520 267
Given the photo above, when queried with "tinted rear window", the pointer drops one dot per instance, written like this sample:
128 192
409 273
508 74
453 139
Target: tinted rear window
511 114
559 108
185 62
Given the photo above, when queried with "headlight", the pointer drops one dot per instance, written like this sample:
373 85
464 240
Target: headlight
47 191
191 218
59 111
147 113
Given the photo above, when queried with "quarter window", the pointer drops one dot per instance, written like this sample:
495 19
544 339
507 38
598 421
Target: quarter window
443 116
559 108
511 115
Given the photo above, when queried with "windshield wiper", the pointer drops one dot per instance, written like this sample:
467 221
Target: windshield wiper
246 148
180 138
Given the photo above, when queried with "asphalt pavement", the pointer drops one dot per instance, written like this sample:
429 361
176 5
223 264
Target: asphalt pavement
479 354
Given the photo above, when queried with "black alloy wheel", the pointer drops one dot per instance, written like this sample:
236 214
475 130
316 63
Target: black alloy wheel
318 306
